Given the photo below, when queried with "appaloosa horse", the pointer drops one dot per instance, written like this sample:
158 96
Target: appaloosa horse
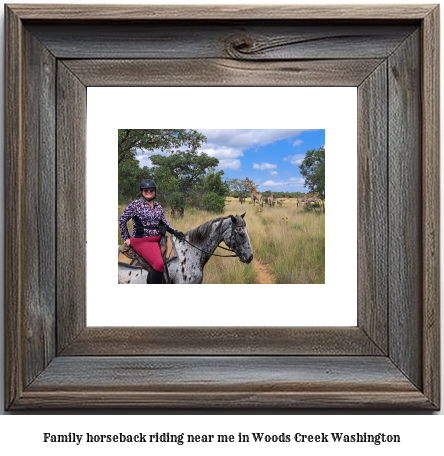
194 252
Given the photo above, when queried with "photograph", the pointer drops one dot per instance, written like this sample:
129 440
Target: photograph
187 206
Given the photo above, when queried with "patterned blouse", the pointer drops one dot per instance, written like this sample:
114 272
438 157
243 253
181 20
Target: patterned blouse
142 214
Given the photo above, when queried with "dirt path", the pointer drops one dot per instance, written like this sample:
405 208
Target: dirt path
263 275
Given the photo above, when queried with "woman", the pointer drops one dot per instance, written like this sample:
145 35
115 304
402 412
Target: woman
148 218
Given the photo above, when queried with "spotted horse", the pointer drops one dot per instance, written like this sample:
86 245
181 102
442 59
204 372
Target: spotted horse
193 253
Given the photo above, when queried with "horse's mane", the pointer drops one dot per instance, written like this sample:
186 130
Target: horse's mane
201 233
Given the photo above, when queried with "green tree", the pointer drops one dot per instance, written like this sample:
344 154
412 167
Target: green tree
239 189
168 189
130 141
217 190
181 173
313 169
212 202
215 184
130 175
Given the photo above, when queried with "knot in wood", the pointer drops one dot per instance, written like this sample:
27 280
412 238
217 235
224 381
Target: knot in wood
239 45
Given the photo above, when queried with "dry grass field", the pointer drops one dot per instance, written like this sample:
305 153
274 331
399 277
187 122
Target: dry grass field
288 244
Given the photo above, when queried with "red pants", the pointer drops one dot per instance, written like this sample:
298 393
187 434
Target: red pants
148 248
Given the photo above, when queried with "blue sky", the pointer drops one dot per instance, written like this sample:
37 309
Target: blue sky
270 158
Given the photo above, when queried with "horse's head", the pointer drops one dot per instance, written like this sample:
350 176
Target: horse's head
237 238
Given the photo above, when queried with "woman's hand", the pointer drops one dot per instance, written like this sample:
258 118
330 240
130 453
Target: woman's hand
128 242
179 235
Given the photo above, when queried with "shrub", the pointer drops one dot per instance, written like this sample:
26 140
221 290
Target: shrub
314 207
213 203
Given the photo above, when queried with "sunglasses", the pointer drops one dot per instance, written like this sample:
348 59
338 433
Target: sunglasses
148 189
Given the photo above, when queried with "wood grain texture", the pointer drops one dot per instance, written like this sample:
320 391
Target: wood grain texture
206 373
405 211
85 370
220 12
266 40
259 401
234 382
372 207
126 341
221 72
71 206
39 232
13 207
430 94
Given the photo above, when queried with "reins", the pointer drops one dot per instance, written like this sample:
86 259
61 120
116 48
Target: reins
215 254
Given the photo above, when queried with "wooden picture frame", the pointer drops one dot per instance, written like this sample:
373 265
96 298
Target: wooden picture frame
390 360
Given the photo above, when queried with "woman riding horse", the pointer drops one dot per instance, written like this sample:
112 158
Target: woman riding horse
148 218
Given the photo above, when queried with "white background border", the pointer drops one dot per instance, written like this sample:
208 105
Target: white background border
331 304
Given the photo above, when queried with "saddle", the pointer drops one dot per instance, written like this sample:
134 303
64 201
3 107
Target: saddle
139 262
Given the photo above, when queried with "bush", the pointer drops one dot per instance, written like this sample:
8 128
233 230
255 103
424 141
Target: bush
314 207
213 203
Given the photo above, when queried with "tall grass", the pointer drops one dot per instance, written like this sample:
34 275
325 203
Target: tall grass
287 239
290 241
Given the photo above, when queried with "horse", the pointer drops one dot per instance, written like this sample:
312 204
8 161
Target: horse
193 253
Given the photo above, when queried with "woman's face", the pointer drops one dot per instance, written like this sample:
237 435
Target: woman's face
149 193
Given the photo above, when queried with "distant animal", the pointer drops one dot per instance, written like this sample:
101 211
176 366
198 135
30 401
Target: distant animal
270 199
255 195
302 199
313 199
305 198
193 253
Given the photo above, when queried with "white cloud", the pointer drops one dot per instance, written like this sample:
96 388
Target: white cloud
295 159
296 180
291 183
144 160
228 156
264 166
298 142
222 152
227 163
271 183
145 157
273 173
246 139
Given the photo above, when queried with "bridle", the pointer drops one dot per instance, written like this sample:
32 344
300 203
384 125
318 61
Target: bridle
232 244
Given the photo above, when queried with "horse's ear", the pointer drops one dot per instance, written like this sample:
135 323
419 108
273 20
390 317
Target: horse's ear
243 214
233 218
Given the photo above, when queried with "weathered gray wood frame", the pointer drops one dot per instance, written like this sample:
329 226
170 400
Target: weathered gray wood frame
390 360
